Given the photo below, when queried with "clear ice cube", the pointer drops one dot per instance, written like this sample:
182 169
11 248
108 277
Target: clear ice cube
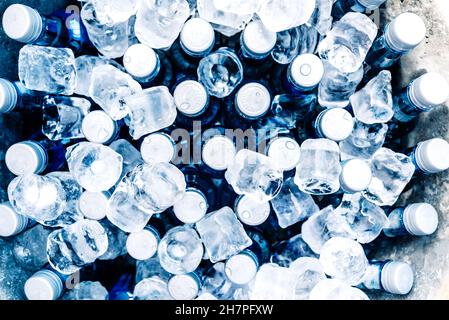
149 268
116 241
321 18
151 110
110 87
285 252
87 290
255 175
159 22
47 69
308 272
292 205
374 103
333 289
315 230
391 173
30 248
113 11
152 288
222 234
96 167
238 6
274 283
63 116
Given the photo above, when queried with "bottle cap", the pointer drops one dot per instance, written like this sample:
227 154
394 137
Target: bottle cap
192 207
8 96
371 4
429 90
306 70
94 205
432 156
26 158
218 152
241 268
355 175
22 23
140 61
258 39
397 277
99 127
335 124
420 219
197 35
190 97
43 285
142 245
250 212
11 223
405 32
253 100
285 153
157 147
184 286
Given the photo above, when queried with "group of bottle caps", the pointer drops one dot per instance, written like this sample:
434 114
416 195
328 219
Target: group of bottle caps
224 214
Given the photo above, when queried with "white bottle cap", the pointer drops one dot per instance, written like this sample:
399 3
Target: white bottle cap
142 245
306 70
197 35
285 153
157 147
397 277
241 268
94 205
26 158
11 223
43 285
429 90
22 23
253 100
371 4
8 96
432 156
420 219
335 124
183 287
355 175
405 32
192 207
250 212
190 97
98 127
140 61
259 39
219 152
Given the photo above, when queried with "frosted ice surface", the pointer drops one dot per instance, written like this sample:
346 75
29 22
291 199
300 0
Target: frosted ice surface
280 15
292 205
149 268
374 103
47 69
152 288
321 18
332 289
151 110
114 11
285 252
159 22
222 234
110 87
30 248
344 259
391 173
116 241
308 272
96 167
87 290
255 175
274 283
315 230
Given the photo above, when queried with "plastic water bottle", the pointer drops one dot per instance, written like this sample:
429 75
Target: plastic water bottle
46 284
355 175
390 276
12 223
184 286
217 152
431 156
143 63
251 213
15 97
143 245
417 219
61 29
286 152
94 205
242 268
122 290
157 147
341 7
303 74
99 127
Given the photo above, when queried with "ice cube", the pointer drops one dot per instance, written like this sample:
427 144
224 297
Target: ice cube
131 156
374 103
285 252
346 45
315 230
116 241
159 22
152 288
47 69
308 272
216 283
63 116
274 283
151 110
344 259
110 87
87 290
149 268
333 289
223 235
280 15
238 6
255 175
110 39
321 18
292 205
391 173
364 141
114 11
95 166
30 248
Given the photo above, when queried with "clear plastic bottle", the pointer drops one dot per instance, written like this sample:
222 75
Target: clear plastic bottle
46 284
12 223
15 97
356 175
431 156
303 75
99 127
